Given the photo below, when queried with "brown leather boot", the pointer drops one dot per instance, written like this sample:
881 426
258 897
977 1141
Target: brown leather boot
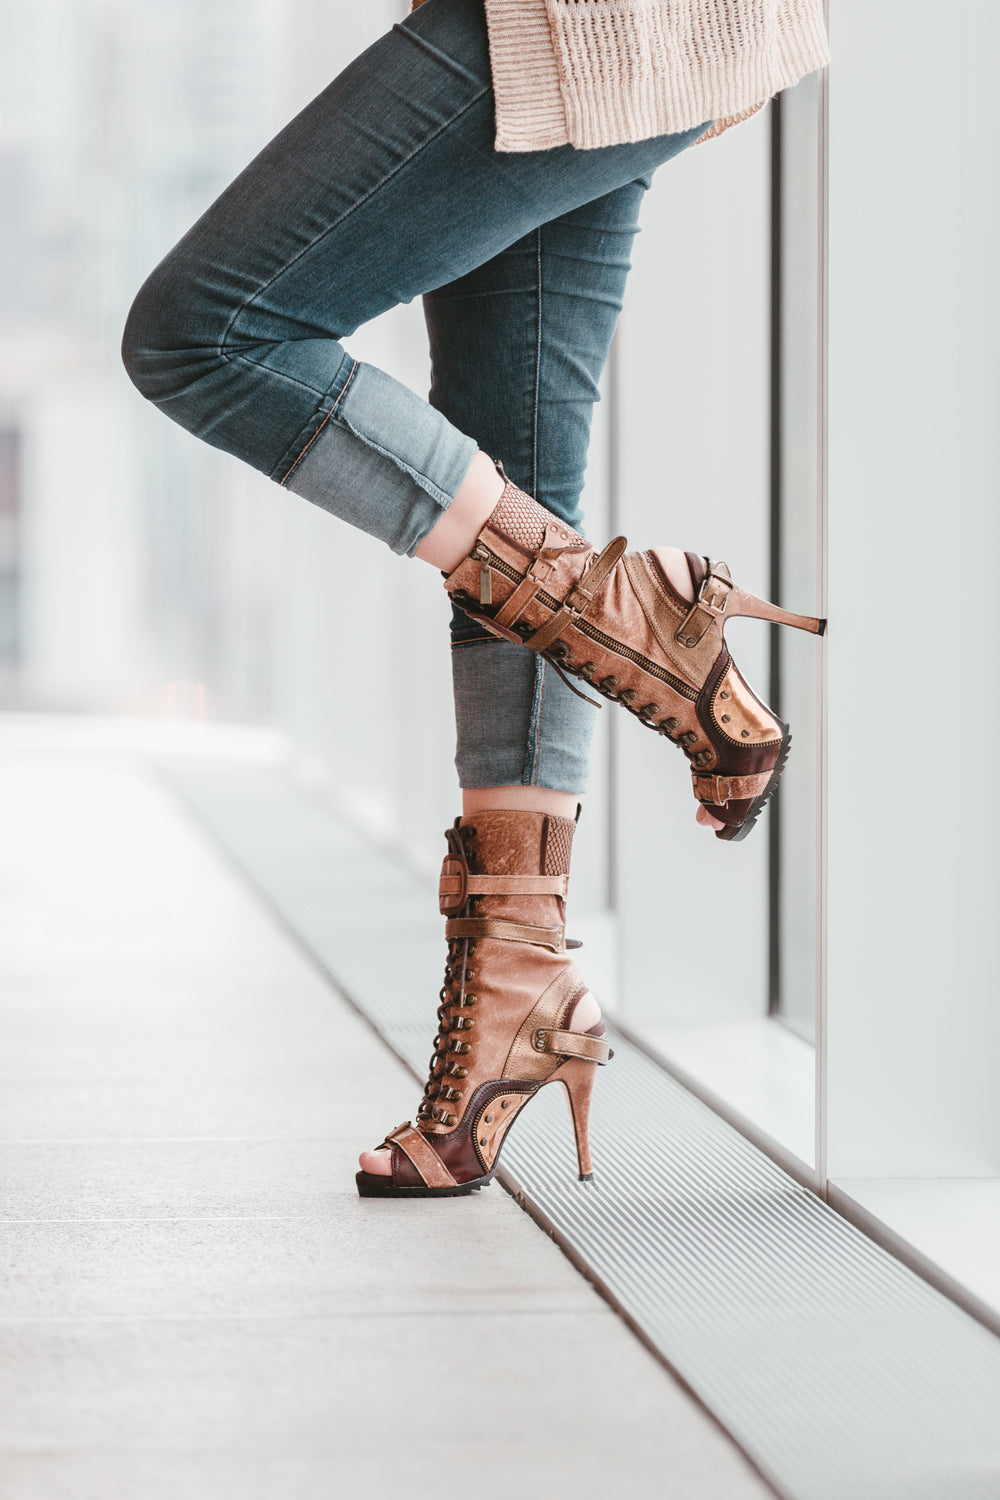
509 991
613 619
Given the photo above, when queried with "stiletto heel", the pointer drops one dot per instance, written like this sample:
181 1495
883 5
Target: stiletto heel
615 620
744 604
577 1077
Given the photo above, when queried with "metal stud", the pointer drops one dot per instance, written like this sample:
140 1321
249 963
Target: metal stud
725 718
724 694
489 1119
745 733
504 1103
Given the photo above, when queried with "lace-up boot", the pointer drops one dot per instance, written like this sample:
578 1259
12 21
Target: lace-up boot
509 992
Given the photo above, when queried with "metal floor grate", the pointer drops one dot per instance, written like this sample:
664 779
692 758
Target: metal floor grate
839 1372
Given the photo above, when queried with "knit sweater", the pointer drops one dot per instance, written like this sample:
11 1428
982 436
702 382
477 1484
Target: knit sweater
600 72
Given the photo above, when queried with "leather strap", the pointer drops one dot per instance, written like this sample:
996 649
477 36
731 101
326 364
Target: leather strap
500 927
571 1044
710 605
540 570
423 1156
506 885
580 597
719 790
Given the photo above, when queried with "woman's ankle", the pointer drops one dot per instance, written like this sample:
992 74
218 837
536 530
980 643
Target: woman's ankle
454 535
519 798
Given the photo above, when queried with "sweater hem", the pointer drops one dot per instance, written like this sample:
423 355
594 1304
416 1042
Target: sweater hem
627 72
530 111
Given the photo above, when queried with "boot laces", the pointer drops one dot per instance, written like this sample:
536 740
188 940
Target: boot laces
450 1060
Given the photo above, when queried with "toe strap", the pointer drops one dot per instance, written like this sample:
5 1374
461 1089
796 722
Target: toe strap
422 1154
720 790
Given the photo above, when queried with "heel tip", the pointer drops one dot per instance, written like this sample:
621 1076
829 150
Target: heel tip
586 1176
822 628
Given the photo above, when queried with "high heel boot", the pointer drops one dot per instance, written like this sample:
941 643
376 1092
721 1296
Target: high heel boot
506 1007
614 619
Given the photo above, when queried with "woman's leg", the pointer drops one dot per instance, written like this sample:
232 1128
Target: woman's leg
383 188
518 347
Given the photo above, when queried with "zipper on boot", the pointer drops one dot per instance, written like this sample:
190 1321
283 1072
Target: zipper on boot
482 554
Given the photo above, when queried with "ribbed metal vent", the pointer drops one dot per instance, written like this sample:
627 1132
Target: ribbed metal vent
842 1374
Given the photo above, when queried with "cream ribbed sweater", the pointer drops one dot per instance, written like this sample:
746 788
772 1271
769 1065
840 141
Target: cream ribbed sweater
598 72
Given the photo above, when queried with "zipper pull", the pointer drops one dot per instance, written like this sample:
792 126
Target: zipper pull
485 586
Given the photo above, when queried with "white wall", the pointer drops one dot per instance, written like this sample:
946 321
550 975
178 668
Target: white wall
692 429
914 883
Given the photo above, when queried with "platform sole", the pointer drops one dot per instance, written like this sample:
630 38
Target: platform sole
375 1185
734 835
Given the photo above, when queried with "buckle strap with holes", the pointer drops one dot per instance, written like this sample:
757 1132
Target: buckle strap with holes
500 927
555 542
719 790
710 605
595 1049
453 885
580 597
422 1154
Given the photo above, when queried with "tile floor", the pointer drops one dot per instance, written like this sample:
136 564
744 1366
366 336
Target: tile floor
193 1300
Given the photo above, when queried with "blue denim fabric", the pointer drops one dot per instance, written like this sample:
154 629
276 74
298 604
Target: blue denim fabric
387 187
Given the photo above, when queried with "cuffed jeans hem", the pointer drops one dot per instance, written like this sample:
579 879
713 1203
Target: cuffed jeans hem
384 461
518 723
299 446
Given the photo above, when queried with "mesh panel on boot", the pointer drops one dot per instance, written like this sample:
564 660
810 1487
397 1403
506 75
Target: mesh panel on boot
558 846
523 519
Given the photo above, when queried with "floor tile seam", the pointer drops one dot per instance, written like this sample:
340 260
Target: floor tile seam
174 1140
84 1320
312 1218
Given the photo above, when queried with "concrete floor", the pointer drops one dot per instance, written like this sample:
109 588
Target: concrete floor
193 1300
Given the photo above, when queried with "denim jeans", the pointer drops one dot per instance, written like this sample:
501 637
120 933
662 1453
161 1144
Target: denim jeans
387 187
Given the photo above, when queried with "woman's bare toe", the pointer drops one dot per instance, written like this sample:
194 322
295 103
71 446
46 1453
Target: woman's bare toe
704 817
378 1163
